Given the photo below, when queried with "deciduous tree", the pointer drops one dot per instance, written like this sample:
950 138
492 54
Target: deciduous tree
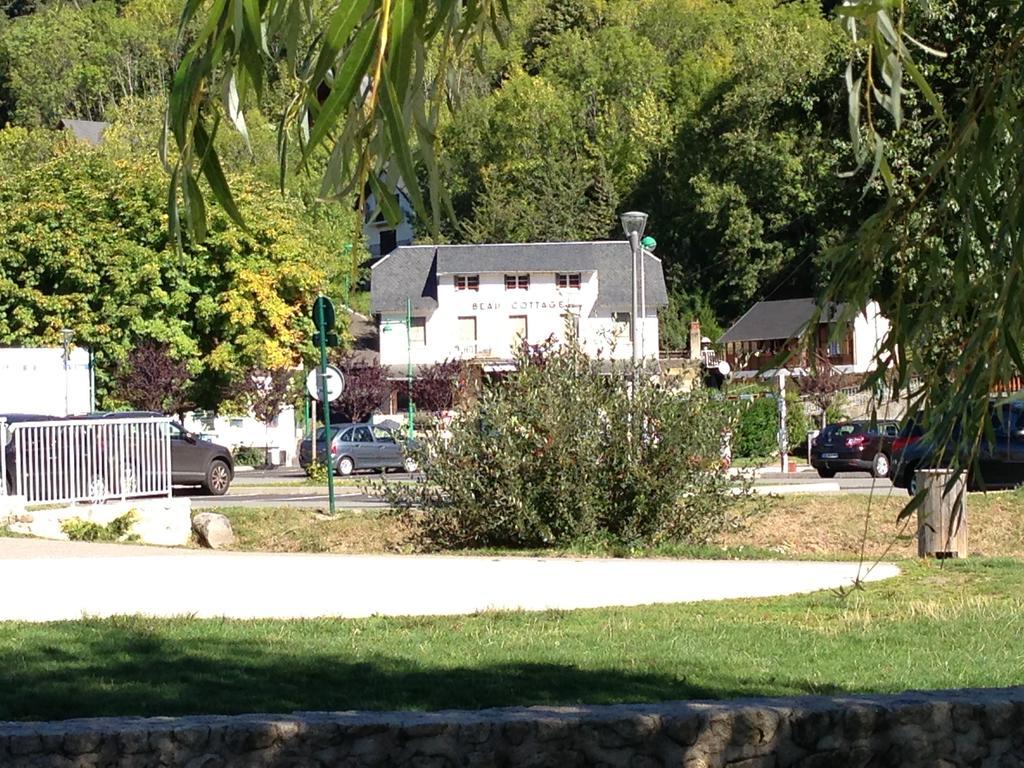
366 389
152 380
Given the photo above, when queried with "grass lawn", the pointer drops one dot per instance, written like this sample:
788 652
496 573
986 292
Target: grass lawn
954 624
810 526
951 625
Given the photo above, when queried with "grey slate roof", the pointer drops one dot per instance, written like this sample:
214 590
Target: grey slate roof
89 131
412 271
783 319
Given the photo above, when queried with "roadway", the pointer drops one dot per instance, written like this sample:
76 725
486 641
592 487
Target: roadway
284 487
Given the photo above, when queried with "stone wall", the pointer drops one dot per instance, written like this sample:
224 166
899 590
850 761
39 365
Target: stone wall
942 728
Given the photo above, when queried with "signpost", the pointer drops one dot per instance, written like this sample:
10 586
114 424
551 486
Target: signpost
324 317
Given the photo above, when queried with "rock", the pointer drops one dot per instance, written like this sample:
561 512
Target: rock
213 530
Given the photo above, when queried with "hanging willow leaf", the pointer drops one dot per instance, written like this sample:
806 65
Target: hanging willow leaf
944 253
356 84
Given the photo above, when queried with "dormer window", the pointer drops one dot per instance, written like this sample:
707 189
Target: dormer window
467 282
517 282
567 279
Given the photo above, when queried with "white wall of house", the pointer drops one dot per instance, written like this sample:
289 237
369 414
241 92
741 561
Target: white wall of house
486 323
869 328
403 230
37 381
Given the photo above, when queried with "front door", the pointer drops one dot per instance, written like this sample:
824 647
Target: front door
519 329
364 451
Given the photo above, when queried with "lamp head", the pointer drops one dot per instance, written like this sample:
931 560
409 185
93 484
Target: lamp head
634 221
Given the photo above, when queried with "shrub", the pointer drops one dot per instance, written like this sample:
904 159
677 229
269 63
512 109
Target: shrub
118 529
758 428
317 472
558 452
250 456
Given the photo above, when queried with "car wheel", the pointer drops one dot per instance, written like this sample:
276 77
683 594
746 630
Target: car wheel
410 465
826 473
218 478
912 480
880 466
346 466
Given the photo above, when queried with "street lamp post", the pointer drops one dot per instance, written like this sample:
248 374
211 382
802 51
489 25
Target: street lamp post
66 335
782 373
633 224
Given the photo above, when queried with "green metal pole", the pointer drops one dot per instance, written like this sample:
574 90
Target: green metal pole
322 388
408 356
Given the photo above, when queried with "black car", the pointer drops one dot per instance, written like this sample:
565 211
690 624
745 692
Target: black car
854 446
1000 460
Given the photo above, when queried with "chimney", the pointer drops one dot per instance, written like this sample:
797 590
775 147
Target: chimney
695 340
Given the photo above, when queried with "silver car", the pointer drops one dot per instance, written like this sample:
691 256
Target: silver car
359 446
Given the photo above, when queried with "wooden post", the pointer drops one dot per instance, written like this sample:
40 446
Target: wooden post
942 517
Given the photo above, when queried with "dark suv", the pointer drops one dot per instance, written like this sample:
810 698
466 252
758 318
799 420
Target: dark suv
854 446
193 461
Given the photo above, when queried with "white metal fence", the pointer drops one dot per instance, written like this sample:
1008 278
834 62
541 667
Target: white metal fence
68 460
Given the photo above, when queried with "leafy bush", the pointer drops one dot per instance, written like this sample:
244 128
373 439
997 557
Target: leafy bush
758 428
317 472
558 453
118 529
250 456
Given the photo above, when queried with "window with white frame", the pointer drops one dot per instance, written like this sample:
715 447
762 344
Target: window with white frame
567 279
467 282
621 320
517 282
418 330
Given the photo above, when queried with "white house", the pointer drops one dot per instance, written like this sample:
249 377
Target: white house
480 302
771 327
40 380
382 237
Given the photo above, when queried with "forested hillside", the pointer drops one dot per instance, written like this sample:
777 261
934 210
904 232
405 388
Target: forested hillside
725 121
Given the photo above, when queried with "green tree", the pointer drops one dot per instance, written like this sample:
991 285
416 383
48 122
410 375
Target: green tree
749 192
359 78
65 61
84 244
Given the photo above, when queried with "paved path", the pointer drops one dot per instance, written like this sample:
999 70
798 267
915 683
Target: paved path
45 580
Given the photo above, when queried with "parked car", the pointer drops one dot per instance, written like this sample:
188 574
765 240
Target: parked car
854 446
358 446
1000 461
194 462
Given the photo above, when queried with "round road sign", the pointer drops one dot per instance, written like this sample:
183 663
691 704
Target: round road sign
334 383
